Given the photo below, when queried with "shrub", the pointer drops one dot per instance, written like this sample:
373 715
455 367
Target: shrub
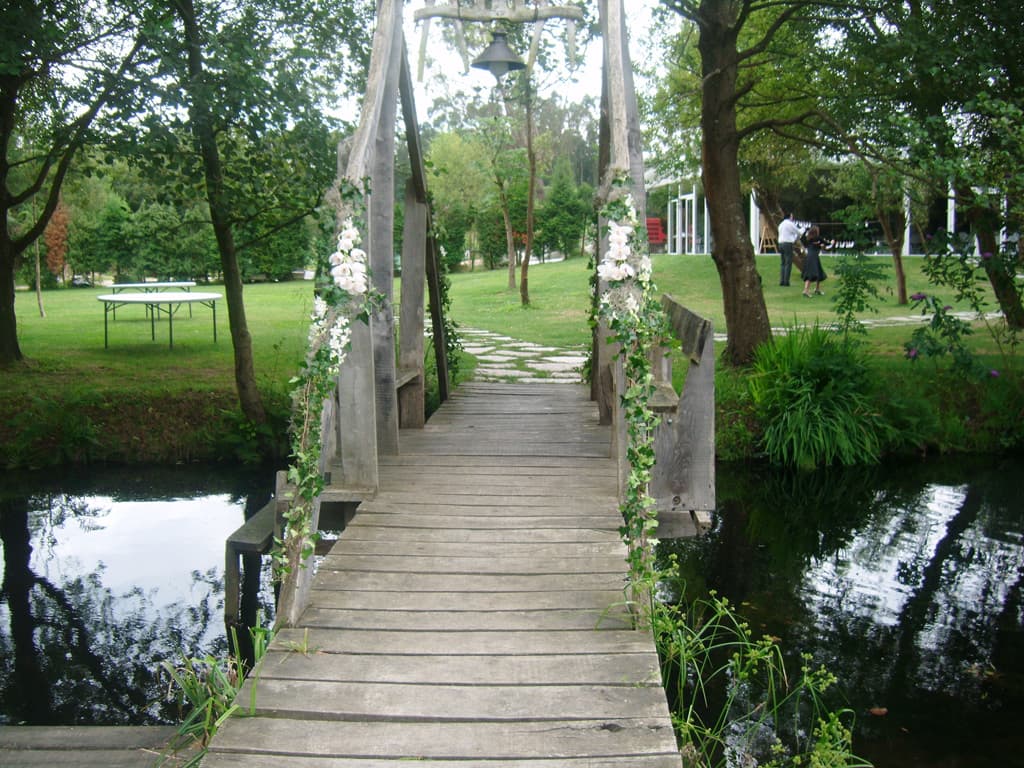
811 391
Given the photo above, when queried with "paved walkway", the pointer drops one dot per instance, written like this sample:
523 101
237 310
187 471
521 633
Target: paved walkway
502 358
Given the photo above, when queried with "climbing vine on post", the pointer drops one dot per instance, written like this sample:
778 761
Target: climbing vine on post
343 296
636 322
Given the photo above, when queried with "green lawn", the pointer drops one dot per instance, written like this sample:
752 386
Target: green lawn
75 399
65 348
559 298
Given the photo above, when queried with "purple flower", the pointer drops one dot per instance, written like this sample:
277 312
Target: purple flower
911 353
919 296
994 373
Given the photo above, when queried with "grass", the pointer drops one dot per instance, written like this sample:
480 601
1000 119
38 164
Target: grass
138 400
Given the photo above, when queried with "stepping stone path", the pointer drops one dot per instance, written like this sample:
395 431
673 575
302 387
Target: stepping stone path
501 358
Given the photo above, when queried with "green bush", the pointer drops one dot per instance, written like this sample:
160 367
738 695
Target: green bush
811 391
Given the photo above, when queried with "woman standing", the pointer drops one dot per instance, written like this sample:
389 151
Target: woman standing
813 272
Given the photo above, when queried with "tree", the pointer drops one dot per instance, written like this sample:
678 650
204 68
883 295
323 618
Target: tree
932 91
60 65
253 80
727 75
457 181
563 216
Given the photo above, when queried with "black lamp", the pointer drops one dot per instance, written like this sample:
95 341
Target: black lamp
498 58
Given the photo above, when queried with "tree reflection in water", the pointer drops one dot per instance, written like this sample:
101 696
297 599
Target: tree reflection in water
78 644
906 582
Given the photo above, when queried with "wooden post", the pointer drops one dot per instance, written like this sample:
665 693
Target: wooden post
381 248
410 329
432 265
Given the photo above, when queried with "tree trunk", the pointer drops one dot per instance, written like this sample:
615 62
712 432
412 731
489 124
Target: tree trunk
202 126
984 224
746 316
531 155
894 237
10 352
510 242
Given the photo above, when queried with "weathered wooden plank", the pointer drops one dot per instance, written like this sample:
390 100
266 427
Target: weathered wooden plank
228 760
363 701
556 669
347 546
479 497
440 644
457 582
475 565
119 746
366 600
609 617
620 737
567 535
536 464
481 519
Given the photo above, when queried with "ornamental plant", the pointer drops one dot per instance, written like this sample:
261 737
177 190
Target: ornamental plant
636 323
343 295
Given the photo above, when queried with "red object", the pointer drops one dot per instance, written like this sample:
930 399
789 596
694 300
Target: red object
655 231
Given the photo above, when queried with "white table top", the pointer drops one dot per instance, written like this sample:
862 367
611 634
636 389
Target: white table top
172 284
167 297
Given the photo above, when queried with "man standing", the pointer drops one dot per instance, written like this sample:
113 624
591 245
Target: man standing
788 233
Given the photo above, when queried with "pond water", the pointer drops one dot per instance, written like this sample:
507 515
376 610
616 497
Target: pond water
108 572
906 582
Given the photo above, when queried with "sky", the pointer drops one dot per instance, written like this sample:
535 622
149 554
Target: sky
444 63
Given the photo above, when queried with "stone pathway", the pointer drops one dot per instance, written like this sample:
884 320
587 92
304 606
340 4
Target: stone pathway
501 358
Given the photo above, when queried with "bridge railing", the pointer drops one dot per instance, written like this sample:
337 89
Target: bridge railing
682 482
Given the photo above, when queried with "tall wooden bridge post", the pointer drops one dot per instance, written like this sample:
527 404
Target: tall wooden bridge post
620 153
381 247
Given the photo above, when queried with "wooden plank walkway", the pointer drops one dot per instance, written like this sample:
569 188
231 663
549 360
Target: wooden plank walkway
471 614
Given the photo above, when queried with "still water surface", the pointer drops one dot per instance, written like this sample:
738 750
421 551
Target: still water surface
906 582
108 572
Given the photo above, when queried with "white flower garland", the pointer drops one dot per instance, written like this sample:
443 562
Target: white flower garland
348 271
626 270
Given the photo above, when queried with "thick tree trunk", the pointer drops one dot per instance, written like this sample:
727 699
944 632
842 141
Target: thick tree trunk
984 223
202 125
10 352
746 316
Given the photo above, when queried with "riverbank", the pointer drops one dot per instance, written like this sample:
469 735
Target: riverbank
76 400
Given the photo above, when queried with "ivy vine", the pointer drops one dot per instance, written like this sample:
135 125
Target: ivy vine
627 304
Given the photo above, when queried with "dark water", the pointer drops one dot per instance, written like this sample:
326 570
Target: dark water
906 582
108 572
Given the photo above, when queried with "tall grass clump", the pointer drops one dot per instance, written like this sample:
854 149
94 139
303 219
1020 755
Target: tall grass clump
206 688
733 702
811 391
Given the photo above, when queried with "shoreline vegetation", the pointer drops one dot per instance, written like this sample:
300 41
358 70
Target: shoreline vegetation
137 401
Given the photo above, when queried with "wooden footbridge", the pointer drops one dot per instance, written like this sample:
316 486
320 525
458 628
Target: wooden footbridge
473 612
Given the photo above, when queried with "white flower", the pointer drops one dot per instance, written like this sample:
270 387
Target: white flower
350 276
338 340
319 309
613 271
